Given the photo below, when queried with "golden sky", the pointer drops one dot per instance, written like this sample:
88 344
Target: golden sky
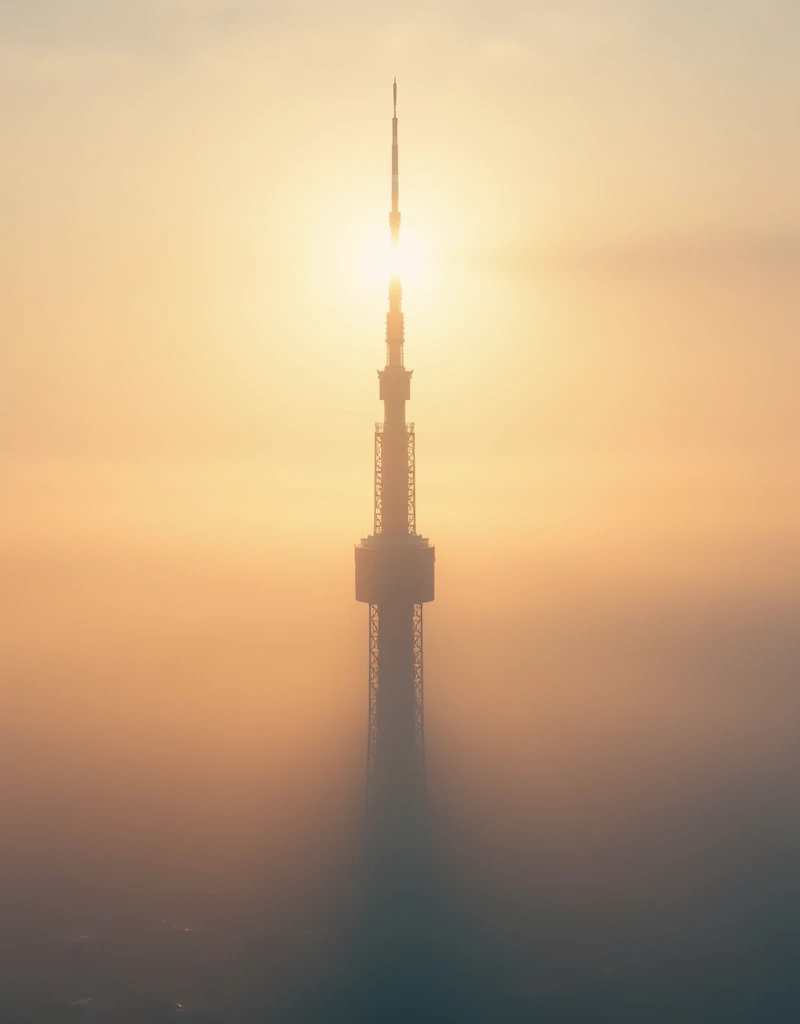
603 327
603 320
604 196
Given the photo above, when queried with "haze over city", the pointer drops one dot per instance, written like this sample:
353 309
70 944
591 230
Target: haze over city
601 269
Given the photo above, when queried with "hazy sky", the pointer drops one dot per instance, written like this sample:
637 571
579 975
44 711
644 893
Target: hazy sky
603 323
603 316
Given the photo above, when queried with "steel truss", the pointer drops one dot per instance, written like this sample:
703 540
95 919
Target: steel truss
412 489
419 703
378 524
374 681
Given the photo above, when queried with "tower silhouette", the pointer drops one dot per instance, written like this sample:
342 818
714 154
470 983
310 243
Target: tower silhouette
394 570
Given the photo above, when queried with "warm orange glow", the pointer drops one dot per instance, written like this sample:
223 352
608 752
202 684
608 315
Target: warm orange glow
599 260
378 260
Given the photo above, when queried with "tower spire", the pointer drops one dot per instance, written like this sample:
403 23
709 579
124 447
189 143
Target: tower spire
394 319
394 216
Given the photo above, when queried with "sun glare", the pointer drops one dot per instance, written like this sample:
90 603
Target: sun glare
379 260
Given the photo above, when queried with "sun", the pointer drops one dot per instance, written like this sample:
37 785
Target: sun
379 261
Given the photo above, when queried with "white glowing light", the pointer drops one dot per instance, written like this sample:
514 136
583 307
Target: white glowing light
380 261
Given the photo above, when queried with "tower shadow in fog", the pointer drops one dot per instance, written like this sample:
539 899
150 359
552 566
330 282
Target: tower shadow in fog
405 965
409 952
394 575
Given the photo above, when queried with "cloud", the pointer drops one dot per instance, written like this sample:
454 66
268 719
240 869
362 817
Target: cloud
153 25
146 26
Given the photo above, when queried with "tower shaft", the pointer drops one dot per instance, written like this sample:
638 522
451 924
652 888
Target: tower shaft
395 577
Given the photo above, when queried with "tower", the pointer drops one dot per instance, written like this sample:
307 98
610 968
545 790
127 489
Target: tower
394 569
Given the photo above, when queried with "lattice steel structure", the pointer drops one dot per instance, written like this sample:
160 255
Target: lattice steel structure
395 577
